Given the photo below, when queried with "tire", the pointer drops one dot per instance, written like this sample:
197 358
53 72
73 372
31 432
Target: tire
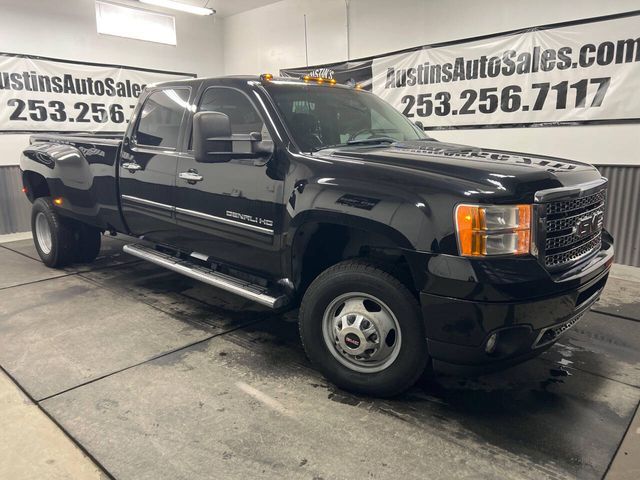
88 240
53 235
337 315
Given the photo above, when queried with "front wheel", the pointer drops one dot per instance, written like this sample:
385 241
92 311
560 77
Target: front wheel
362 328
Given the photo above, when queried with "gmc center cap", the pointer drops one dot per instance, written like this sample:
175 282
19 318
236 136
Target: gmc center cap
352 341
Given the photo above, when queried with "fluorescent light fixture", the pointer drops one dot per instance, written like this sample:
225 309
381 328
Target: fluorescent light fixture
183 7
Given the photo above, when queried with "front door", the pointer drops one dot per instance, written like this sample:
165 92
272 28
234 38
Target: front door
148 166
229 211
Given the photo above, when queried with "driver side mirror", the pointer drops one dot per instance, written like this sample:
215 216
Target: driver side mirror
213 141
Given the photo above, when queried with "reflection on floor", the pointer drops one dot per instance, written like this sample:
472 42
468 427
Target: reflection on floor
158 376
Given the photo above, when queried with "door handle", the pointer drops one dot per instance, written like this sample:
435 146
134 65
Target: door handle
191 176
131 166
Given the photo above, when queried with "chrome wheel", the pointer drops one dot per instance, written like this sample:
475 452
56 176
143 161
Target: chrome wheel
43 233
361 332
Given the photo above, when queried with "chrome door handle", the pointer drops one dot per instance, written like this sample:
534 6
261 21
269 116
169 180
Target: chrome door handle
192 176
131 166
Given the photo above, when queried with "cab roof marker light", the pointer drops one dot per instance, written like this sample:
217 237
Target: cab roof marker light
320 80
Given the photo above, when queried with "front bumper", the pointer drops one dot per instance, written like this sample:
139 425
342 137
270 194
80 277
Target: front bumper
527 315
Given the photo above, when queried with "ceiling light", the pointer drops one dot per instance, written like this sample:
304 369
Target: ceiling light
183 7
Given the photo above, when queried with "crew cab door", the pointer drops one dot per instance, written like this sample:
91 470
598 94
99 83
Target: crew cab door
148 165
230 211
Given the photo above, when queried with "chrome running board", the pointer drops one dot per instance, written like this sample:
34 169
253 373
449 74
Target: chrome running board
231 284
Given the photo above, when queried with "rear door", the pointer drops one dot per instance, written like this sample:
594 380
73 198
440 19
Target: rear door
232 212
148 165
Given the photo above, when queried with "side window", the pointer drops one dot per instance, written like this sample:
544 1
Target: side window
242 114
159 122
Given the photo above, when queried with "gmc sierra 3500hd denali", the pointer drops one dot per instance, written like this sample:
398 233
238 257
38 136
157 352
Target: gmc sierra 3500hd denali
402 250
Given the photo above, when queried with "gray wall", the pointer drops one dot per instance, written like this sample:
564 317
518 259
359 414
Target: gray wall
14 206
622 218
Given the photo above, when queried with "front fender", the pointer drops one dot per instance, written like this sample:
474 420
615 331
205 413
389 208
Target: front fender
400 215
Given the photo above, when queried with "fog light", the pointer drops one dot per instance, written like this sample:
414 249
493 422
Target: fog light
491 343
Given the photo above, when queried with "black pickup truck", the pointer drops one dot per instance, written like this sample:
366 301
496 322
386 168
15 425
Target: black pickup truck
402 251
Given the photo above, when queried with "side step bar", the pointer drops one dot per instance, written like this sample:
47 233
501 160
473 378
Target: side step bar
242 288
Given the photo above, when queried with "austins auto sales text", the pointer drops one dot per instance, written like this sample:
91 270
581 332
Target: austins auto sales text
511 62
68 84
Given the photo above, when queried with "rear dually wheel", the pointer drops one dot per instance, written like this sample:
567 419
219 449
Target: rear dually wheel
53 236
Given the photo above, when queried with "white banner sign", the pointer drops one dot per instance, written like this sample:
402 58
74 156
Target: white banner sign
47 95
584 72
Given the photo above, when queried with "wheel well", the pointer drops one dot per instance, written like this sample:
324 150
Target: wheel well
35 185
318 246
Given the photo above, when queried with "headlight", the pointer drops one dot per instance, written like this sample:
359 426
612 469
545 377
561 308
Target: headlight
493 229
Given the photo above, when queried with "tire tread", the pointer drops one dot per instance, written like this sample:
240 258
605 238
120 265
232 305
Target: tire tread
62 232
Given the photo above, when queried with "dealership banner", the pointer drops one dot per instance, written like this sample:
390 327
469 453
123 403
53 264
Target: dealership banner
49 95
581 72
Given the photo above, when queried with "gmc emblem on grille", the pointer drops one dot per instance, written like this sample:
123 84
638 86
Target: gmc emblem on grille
589 225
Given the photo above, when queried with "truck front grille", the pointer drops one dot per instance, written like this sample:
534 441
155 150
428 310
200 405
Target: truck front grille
573 229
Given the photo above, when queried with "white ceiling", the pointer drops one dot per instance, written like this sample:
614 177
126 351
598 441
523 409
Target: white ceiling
224 8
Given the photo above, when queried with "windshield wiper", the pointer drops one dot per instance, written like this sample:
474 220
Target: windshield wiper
372 140
365 141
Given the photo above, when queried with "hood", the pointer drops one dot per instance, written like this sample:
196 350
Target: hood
479 172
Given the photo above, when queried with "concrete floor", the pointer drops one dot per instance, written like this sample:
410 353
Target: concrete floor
150 375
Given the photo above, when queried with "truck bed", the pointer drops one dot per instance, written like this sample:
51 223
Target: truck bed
82 169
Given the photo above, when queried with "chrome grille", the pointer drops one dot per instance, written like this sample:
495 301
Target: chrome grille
577 203
573 229
574 253
569 222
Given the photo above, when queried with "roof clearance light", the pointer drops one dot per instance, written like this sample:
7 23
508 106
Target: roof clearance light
319 80
266 77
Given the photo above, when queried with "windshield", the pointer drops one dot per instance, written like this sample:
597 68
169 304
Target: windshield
320 117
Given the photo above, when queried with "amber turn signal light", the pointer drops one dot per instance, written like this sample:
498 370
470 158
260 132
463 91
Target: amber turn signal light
493 229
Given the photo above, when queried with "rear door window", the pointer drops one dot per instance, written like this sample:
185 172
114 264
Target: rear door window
160 118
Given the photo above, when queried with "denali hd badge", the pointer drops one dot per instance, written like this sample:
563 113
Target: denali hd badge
250 218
